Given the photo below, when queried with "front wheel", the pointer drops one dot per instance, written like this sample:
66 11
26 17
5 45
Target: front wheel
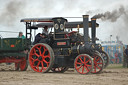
83 64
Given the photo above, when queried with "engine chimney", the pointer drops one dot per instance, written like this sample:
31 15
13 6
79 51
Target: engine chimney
93 30
86 31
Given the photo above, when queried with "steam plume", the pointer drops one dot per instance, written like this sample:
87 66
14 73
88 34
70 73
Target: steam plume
112 16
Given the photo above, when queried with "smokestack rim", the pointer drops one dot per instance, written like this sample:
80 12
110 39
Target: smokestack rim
85 16
93 18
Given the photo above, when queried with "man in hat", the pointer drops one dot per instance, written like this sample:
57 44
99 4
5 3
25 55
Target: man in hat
41 37
45 31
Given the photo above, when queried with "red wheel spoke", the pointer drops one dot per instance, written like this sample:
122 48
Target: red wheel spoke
94 68
43 53
87 61
98 59
88 65
98 67
42 66
40 51
36 54
83 69
46 62
34 50
94 60
46 56
84 59
45 49
38 63
78 63
81 60
79 67
34 61
86 68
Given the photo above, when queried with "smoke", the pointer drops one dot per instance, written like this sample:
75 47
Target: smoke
120 26
111 16
11 12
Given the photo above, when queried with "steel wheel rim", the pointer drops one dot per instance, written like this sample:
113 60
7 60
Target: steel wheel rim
39 58
83 64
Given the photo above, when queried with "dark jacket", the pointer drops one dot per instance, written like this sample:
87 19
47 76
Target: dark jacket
37 38
126 51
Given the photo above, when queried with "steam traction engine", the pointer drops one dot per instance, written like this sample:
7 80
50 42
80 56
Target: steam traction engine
61 51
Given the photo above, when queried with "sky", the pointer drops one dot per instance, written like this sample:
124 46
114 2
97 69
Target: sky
114 22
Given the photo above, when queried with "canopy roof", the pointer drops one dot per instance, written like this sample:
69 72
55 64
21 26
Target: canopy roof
67 24
40 19
49 22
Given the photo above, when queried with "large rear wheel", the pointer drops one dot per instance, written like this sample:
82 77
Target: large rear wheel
83 64
41 57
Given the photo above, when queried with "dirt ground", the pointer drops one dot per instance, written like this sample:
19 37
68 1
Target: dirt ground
109 76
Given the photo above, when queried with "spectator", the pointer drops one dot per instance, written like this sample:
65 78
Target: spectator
126 56
21 35
119 56
116 57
